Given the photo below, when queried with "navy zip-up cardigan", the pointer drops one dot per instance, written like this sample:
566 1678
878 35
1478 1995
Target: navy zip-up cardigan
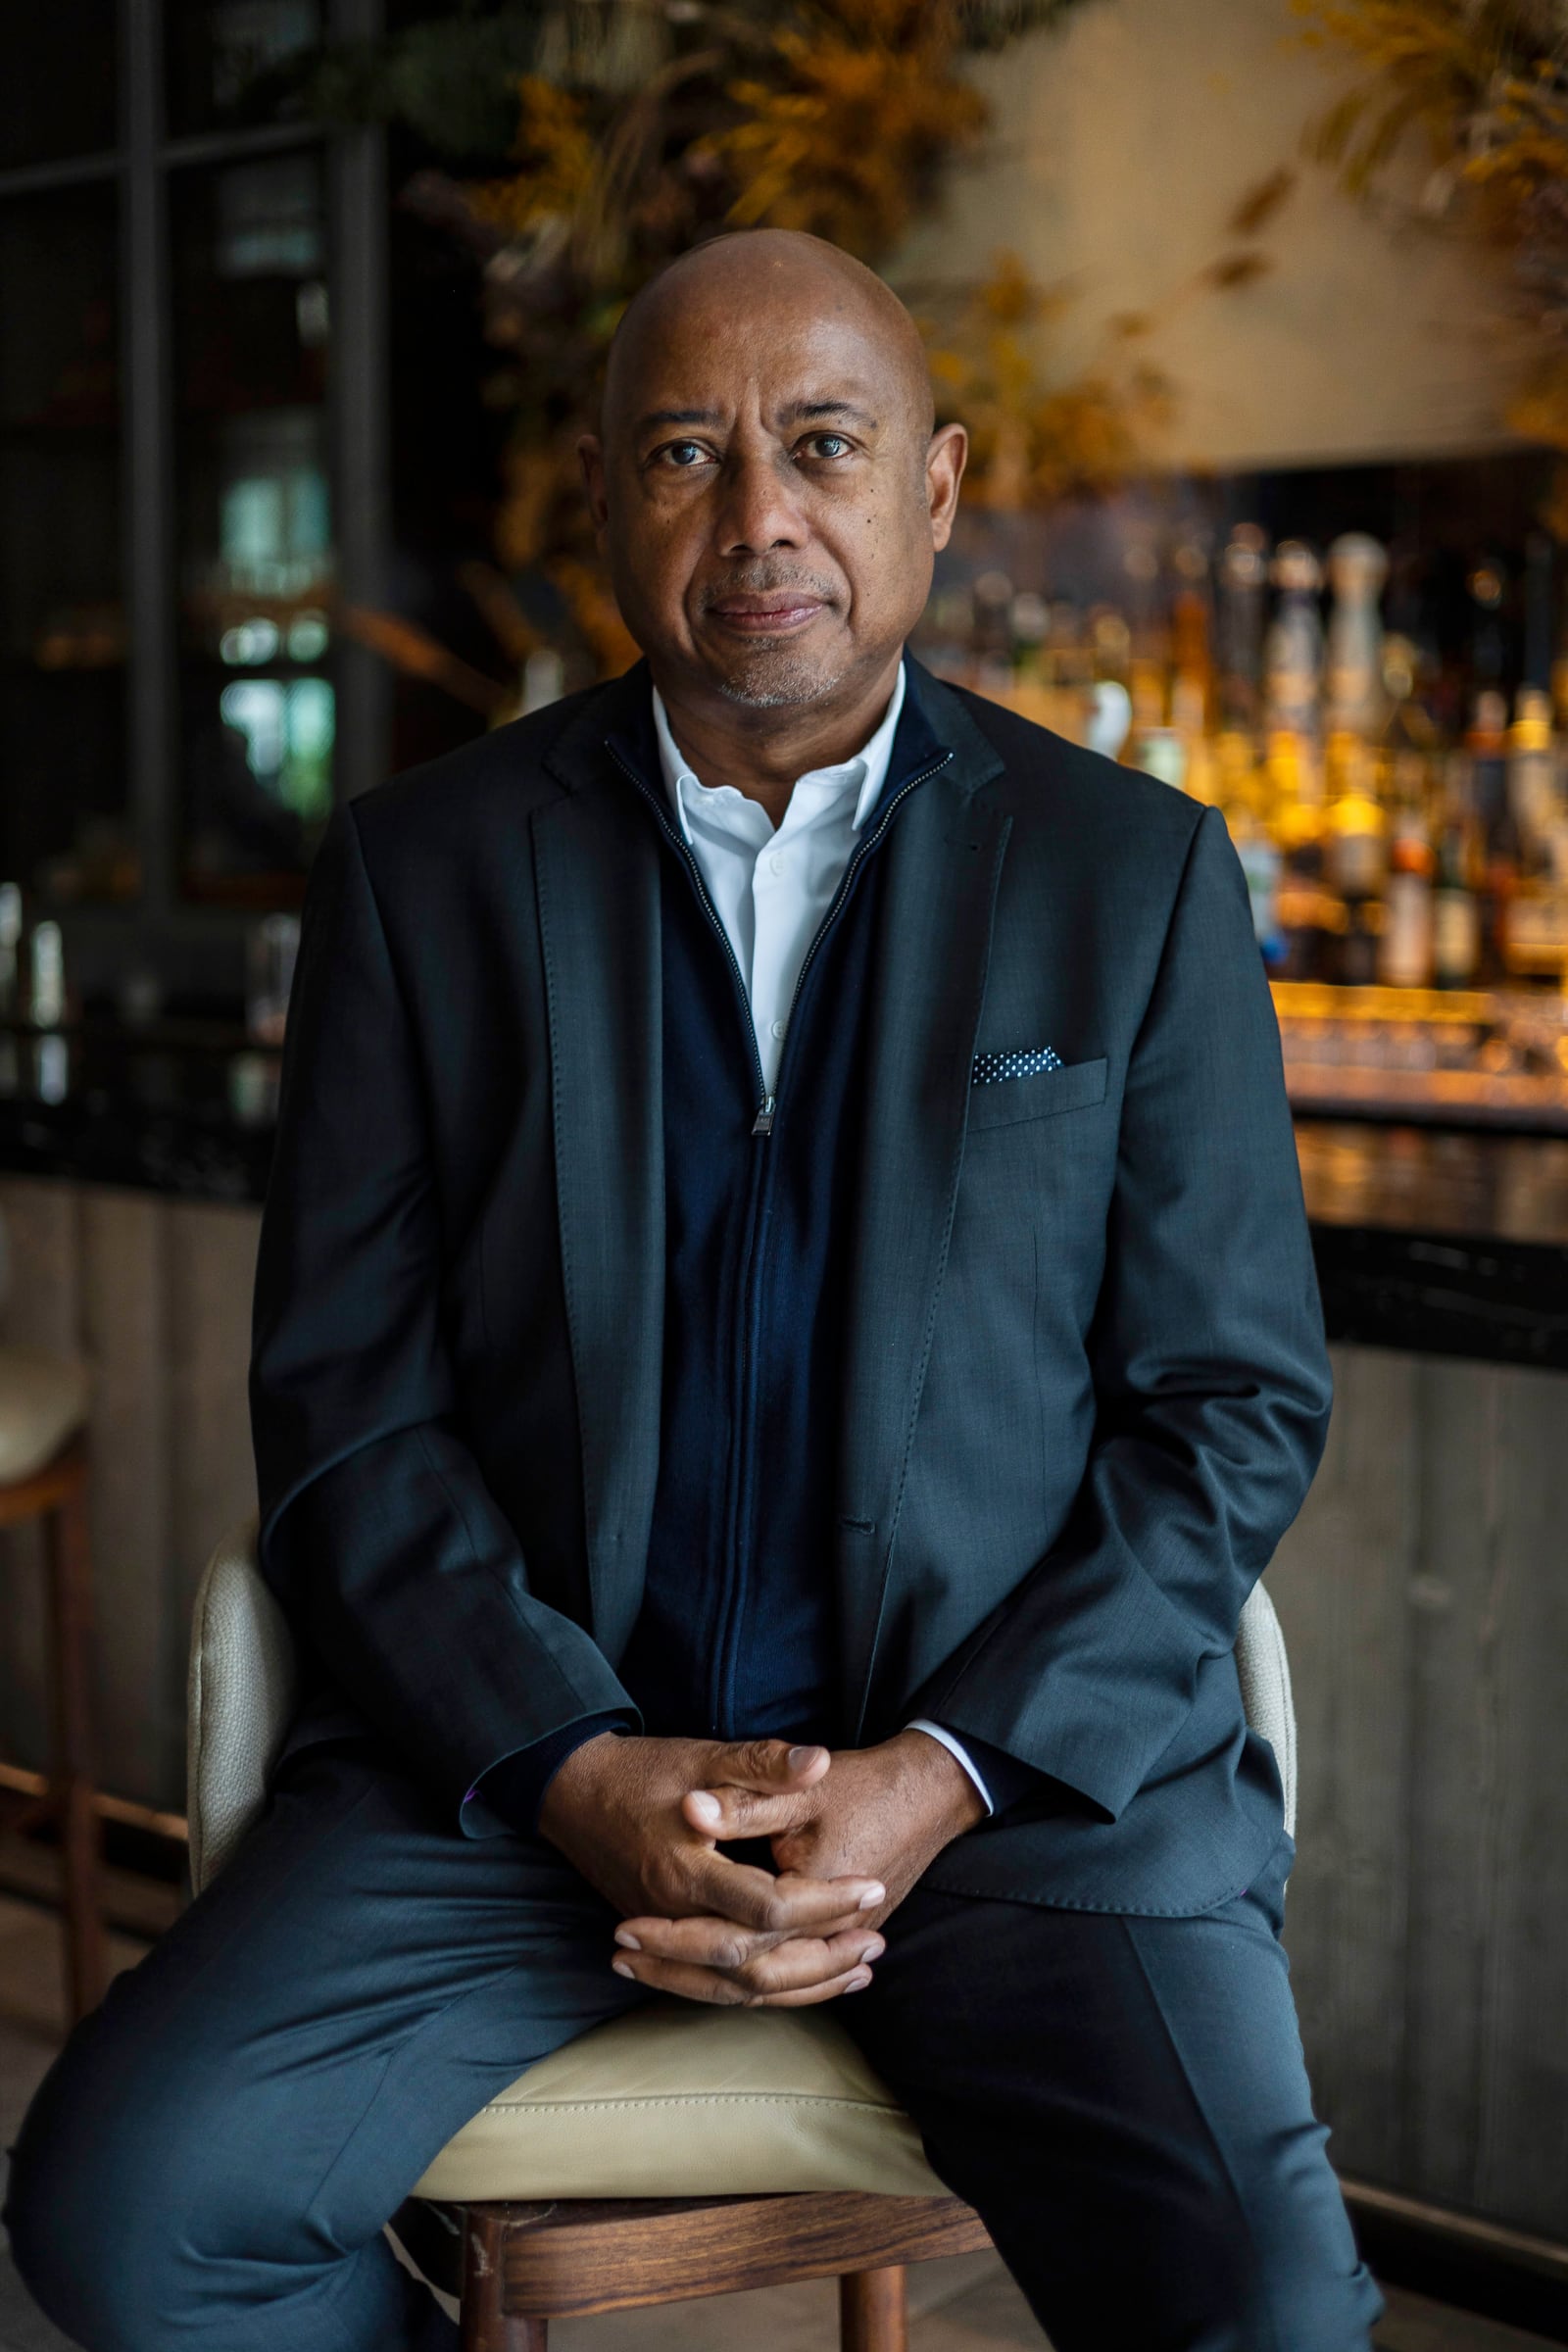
735 1638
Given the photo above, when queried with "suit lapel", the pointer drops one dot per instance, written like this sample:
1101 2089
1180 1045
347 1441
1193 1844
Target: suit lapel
945 853
596 864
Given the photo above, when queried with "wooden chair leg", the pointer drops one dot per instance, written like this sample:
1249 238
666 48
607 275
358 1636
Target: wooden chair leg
873 2311
69 1574
486 2327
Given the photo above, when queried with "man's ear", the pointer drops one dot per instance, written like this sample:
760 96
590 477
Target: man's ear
591 458
945 459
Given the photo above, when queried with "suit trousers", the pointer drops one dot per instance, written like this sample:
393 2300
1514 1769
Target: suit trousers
209 2164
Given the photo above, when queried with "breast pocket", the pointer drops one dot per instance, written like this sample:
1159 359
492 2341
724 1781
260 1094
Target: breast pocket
1072 1086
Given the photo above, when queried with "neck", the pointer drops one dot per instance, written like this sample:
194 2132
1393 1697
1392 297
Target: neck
761 751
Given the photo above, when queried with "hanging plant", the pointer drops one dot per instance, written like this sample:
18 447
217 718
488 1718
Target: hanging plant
1481 87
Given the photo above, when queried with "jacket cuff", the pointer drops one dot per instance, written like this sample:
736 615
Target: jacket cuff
1006 1777
509 1795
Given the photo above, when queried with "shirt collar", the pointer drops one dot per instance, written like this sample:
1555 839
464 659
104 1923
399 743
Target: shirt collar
868 770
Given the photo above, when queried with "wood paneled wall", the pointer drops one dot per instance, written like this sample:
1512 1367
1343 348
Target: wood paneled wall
1423 1594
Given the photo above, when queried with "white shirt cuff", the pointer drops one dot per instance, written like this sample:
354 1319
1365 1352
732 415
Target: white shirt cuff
935 1731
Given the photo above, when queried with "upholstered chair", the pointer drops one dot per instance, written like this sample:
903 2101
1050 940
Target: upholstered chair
677 2151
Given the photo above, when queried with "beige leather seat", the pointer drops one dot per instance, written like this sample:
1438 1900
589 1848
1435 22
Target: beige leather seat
673 2101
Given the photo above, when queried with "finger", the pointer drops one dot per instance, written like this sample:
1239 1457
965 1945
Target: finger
806 1962
720 1943
855 1982
755 1898
720 1992
768 1766
730 1812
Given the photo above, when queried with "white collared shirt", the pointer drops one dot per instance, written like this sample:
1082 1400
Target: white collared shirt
772 888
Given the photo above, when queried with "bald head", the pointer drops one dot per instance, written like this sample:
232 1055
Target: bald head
760 274
768 484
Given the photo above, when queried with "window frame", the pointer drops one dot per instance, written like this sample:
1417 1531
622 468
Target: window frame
143 163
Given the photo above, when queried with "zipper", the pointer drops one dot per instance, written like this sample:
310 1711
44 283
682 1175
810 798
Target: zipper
764 1122
857 860
740 1503
766 1102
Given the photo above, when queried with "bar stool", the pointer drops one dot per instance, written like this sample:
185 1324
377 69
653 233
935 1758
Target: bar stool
43 1480
677 2151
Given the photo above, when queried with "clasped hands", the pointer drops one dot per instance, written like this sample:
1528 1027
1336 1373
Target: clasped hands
851 1831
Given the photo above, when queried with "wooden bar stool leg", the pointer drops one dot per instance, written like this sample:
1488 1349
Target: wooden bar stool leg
873 2311
69 1574
486 2327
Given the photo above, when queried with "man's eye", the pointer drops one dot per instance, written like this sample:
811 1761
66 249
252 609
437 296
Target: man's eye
685 454
829 445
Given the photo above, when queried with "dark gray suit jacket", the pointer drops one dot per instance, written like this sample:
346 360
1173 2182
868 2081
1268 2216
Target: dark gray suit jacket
1085 1387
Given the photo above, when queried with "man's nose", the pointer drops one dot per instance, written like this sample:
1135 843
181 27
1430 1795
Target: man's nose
759 506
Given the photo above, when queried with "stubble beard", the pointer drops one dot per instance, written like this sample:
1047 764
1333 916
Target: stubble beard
782 674
781 679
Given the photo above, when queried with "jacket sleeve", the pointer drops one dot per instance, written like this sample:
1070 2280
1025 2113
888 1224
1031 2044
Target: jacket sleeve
378 1533
1211 1381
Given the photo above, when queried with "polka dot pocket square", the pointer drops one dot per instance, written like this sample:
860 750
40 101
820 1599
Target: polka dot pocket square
1027 1062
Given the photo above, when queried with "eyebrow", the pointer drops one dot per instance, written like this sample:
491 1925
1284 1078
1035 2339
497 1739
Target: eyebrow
797 409
659 417
831 408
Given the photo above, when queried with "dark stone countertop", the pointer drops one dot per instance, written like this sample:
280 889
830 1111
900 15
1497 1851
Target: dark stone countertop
1437 1241
183 1108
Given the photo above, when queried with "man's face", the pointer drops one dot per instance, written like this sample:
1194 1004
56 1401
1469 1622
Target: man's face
770 494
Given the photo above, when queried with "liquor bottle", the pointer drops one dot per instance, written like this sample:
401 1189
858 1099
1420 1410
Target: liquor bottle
1293 649
1354 856
1359 565
1405 947
1532 778
1192 633
1535 933
1355 827
1242 582
1487 585
1244 790
1487 744
1497 835
1294 659
1456 913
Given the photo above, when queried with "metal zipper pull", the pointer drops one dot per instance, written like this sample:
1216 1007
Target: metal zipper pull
763 1124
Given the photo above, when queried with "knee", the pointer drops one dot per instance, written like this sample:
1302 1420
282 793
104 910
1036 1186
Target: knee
102 2196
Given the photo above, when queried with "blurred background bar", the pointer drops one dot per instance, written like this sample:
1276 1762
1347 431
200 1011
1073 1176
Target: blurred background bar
301 304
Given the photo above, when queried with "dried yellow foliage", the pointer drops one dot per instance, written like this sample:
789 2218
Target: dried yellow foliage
1485 83
557 161
1030 444
845 144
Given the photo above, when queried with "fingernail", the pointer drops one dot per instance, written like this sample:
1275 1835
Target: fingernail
858 1982
873 1896
706 1807
622 1968
800 1757
871 1951
624 1935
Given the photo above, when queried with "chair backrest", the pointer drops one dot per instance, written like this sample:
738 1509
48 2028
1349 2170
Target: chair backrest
241 1698
243 1683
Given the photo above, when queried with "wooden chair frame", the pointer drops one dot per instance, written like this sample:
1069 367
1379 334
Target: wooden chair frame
57 1496
515 2267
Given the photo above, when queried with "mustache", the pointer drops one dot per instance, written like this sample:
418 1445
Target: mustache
768 579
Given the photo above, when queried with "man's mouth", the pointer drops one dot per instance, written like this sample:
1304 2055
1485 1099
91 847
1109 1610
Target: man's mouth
772 615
